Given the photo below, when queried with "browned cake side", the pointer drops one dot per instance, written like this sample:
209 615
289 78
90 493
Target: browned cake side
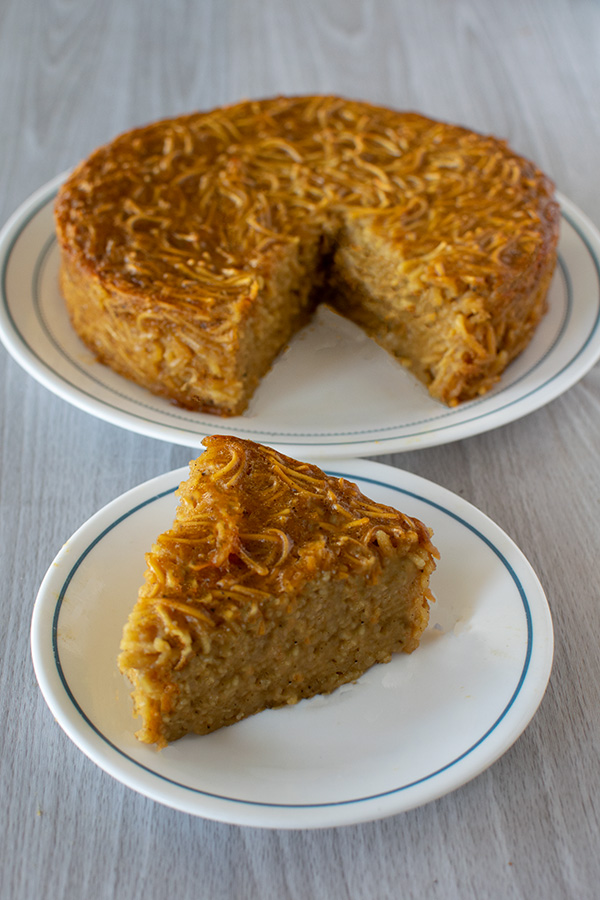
193 249
275 583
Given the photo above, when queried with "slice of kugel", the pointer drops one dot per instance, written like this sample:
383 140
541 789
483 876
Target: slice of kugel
275 583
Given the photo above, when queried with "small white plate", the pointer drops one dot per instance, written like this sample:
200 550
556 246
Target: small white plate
332 393
405 734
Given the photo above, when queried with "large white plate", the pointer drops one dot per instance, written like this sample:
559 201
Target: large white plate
405 734
332 393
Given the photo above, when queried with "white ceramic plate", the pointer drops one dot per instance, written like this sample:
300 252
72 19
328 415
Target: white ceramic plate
405 734
332 393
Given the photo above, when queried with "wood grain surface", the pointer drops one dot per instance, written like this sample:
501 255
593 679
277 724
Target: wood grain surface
73 75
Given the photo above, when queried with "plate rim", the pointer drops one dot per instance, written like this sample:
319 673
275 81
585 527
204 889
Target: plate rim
116 762
324 446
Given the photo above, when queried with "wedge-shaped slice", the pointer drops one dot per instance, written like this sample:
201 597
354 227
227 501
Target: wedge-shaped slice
275 583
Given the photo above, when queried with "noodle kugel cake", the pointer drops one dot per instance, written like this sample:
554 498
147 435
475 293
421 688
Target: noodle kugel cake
276 582
193 249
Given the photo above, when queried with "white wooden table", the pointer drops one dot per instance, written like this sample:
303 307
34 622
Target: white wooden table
74 75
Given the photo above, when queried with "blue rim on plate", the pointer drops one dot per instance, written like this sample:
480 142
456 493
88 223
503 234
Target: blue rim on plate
526 691
68 369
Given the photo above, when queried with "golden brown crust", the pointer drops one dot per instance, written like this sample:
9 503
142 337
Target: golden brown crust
257 536
178 230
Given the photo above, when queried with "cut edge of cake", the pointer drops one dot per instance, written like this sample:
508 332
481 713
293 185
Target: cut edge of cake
462 300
